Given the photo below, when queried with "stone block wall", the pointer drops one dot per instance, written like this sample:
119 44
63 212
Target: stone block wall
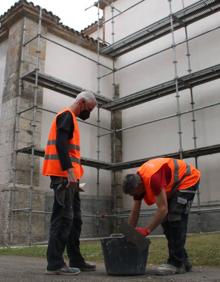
4 215
205 222
17 131
92 226
28 226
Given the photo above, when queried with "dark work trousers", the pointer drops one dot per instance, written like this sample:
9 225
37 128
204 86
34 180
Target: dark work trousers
65 225
175 225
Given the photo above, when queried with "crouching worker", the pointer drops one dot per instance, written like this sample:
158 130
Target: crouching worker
171 184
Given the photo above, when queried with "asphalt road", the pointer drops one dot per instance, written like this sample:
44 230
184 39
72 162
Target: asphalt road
28 269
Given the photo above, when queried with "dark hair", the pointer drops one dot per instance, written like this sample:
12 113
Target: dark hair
130 183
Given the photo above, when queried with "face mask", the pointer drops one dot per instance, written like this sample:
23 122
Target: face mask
85 114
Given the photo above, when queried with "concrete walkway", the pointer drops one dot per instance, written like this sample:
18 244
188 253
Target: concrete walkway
28 269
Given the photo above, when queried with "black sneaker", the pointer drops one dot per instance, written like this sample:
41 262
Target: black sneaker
84 266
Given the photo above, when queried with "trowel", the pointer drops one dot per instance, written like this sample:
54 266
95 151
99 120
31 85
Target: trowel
81 185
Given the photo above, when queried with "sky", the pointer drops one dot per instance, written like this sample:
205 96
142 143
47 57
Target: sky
71 12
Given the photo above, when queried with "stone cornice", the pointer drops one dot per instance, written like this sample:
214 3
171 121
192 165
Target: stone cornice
3 34
92 28
51 22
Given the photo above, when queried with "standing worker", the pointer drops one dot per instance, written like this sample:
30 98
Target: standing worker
171 184
62 164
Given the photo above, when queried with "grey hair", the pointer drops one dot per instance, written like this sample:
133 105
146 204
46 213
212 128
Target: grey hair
130 183
88 96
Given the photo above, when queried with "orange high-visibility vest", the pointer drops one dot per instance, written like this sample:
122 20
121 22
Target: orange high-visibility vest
183 176
51 164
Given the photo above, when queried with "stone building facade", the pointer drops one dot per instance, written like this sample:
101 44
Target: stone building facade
42 66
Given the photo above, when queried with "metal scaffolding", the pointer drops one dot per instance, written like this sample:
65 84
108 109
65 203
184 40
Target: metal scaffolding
167 25
184 17
175 21
164 89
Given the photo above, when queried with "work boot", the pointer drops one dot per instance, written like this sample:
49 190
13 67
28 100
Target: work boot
84 266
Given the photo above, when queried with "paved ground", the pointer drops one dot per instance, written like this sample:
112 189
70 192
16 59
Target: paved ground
25 269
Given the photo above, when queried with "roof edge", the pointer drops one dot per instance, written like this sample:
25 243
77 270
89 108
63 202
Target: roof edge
27 9
92 27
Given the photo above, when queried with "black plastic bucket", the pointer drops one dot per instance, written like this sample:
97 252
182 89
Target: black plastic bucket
123 257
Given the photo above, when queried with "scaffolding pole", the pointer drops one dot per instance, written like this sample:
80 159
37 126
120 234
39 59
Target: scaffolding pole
33 125
113 137
114 194
188 55
162 118
121 213
175 62
98 120
122 12
76 52
53 112
65 47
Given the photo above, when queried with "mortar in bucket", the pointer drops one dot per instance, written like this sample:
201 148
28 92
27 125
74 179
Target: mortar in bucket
125 253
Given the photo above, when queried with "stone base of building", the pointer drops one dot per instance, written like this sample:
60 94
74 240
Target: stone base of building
206 220
21 226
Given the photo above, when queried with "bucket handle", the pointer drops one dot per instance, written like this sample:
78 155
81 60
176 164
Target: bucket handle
117 235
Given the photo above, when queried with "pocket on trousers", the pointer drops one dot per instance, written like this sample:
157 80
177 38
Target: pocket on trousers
179 206
59 187
60 194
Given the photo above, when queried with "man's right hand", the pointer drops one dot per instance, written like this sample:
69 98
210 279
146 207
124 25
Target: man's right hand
71 178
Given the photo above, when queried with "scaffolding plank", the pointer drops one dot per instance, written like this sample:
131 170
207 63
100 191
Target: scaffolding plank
60 86
84 161
192 153
184 17
163 89
203 151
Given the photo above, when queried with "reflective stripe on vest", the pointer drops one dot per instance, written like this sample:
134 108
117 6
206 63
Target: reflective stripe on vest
70 146
177 181
56 157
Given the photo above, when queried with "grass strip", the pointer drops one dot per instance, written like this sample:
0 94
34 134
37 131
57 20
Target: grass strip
203 249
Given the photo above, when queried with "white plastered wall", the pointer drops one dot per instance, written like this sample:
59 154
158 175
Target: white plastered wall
162 137
79 71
